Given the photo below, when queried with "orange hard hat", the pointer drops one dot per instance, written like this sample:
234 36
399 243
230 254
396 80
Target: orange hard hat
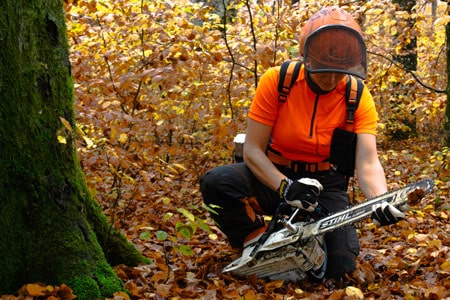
331 41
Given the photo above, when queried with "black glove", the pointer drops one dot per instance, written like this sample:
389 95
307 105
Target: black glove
301 193
386 214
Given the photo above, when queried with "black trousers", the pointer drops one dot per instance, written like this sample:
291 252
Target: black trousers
241 200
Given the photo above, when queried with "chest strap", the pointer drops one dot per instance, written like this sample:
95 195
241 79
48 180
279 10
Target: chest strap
297 166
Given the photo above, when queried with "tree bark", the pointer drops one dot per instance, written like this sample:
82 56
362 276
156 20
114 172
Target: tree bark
447 106
409 58
52 231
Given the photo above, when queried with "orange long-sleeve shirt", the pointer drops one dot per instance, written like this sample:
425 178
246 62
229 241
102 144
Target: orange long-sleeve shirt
304 124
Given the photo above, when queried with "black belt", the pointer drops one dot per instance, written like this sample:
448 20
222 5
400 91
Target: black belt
298 166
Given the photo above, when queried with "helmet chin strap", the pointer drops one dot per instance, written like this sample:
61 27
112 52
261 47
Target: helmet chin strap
314 86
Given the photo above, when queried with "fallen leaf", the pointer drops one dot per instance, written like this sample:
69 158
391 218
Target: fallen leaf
415 197
445 266
35 290
355 292
121 296
66 293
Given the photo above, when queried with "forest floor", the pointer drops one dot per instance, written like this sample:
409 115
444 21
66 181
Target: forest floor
408 260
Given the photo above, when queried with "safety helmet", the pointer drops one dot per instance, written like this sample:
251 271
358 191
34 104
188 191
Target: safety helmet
331 41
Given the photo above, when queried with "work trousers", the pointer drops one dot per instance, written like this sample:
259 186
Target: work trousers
241 201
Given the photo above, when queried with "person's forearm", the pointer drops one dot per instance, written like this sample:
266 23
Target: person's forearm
370 172
372 180
263 169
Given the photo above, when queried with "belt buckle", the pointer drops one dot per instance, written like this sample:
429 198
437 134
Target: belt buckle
298 166
312 167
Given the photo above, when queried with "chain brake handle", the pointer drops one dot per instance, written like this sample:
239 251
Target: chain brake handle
319 212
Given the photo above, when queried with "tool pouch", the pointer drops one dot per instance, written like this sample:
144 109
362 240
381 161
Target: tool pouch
343 151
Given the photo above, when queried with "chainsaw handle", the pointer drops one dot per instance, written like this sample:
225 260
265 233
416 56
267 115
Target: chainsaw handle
321 211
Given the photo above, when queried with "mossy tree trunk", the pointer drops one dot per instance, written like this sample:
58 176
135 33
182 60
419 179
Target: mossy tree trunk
52 231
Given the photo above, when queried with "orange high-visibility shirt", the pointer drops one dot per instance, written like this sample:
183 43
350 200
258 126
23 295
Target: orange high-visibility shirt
304 124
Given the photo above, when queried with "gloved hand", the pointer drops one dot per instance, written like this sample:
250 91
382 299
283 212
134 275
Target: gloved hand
301 193
386 214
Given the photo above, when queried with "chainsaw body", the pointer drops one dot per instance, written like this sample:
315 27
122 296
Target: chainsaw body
291 260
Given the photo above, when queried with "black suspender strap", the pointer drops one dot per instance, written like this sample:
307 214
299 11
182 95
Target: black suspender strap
354 90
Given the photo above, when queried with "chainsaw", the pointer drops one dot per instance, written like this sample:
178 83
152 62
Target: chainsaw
292 250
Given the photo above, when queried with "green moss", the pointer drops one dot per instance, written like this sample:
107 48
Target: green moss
85 288
108 280
102 285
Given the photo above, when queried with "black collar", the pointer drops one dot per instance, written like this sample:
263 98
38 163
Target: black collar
313 86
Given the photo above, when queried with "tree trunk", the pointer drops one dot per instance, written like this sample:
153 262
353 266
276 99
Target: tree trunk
447 107
409 58
52 231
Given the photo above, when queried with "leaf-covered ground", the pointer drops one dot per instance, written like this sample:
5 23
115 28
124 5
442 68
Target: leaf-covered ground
409 260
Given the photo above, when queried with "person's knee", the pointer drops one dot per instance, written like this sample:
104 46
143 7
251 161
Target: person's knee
218 185
208 186
205 180
339 265
343 249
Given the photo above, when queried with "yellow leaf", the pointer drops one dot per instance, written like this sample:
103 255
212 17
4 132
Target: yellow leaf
148 52
180 166
121 295
88 141
429 207
420 214
354 292
445 266
376 11
167 216
66 124
62 140
442 21
123 138
187 214
173 169
35 290
298 291
274 284
437 244
390 239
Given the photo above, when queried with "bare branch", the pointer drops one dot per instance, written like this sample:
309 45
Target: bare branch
436 90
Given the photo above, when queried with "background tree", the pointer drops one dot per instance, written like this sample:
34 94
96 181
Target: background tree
447 108
51 229
408 41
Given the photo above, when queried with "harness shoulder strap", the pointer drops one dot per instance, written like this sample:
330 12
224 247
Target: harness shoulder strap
289 71
354 89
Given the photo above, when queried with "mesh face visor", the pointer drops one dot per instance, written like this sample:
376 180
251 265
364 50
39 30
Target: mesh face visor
335 48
